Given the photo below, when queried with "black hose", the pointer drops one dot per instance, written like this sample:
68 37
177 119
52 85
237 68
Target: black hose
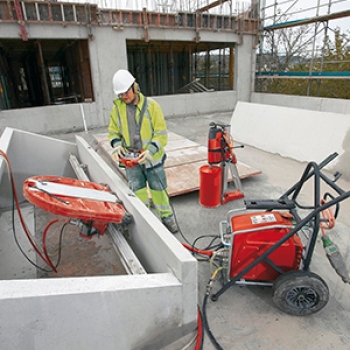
206 324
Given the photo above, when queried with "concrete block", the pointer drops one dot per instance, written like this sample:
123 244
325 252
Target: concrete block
301 134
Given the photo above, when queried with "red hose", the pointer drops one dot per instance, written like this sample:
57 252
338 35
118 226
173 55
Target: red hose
329 216
44 243
25 228
199 331
195 250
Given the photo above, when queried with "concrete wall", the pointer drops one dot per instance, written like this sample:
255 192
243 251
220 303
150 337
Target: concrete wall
108 53
197 103
28 155
111 312
302 134
301 102
52 119
71 117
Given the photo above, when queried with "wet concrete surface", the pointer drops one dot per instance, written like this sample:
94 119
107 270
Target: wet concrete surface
246 317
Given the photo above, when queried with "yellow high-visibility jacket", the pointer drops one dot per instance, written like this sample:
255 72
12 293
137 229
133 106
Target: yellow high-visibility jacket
153 130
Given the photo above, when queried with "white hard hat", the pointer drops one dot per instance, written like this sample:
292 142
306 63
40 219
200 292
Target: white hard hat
122 81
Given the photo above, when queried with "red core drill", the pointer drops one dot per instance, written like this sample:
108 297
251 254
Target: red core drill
214 179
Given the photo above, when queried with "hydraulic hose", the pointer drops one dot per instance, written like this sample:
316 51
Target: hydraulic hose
199 251
206 324
24 226
200 333
204 310
44 243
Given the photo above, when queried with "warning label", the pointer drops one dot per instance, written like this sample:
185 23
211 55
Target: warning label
261 219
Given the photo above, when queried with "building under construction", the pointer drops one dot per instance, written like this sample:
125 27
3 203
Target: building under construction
199 59
45 69
57 68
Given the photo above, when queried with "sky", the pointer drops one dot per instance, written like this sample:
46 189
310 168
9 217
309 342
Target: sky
301 9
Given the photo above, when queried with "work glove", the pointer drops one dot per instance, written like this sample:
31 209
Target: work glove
145 157
118 152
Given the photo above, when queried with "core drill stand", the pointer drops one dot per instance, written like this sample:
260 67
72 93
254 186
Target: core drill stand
214 177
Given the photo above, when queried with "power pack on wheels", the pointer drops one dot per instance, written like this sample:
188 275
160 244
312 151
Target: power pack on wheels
272 243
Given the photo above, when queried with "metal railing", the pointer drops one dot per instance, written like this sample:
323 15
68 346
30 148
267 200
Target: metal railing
89 14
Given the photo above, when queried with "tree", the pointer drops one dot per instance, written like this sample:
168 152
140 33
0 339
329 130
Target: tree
292 51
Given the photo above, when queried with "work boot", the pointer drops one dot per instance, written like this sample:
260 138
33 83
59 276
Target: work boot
170 223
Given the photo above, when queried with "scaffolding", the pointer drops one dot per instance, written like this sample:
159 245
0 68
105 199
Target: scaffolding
295 35
292 46
219 7
161 67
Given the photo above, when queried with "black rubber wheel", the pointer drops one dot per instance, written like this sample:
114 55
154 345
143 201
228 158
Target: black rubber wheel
300 293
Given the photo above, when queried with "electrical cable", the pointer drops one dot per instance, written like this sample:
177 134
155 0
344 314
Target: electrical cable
206 324
173 210
24 226
44 242
171 205
202 319
60 243
229 140
204 311
209 246
66 222
18 244
213 257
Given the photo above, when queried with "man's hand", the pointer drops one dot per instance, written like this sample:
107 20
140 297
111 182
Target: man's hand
118 152
145 157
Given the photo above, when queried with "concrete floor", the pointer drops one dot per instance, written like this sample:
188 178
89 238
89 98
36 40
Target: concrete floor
73 255
76 255
246 317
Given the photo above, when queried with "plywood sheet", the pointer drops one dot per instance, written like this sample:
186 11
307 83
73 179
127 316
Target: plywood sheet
180 143
184 159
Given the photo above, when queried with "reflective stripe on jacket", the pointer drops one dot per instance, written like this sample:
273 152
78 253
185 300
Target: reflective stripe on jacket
153 131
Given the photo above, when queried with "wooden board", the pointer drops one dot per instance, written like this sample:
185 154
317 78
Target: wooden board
182 166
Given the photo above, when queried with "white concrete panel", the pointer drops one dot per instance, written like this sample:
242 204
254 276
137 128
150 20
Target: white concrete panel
50 119
197 103
334 105
30 154
110 312
300 134
157 249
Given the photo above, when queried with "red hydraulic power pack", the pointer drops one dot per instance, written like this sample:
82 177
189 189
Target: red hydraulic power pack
253 234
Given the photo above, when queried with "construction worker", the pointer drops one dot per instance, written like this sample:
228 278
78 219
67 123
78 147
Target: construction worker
137 126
